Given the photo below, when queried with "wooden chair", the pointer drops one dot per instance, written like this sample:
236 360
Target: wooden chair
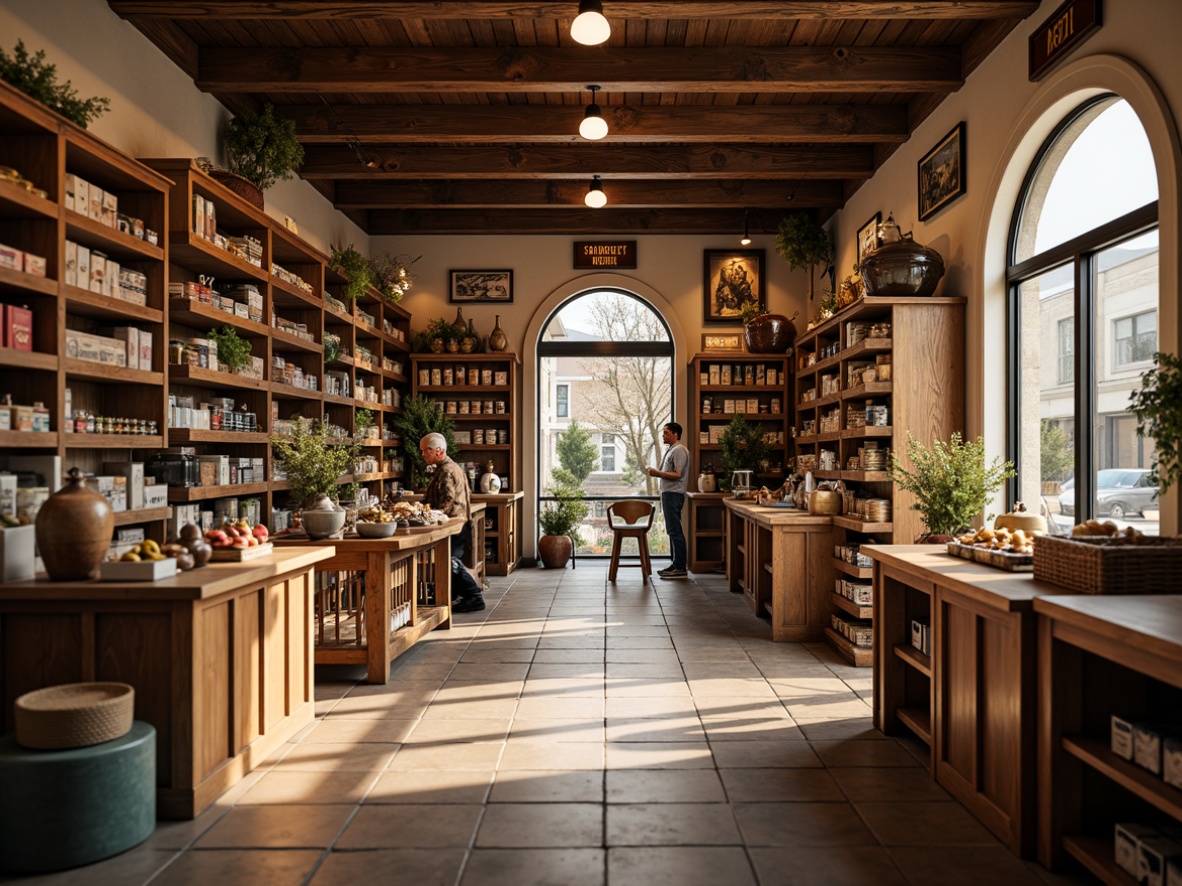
636 519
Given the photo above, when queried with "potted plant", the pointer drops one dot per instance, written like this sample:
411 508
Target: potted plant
419 417
262 149
356 267
803 243
314 458
38 81
743 446
233 351
951 483
558 520
442 335
1158 407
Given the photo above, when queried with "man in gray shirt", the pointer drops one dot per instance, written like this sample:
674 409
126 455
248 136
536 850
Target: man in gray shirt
673 470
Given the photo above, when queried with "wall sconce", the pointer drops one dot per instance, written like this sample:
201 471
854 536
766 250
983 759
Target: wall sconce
590 27
746 241
595 198
593 127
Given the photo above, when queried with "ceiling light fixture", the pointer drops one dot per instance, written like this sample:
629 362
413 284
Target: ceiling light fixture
593 127
746 241
595 198
590 27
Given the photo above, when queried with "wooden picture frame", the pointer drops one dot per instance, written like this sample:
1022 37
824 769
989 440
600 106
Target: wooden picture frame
941 173
722 341
730 278
481 286
868 236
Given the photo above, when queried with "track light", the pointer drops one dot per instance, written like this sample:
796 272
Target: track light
593 127
595 198
746 241
590 27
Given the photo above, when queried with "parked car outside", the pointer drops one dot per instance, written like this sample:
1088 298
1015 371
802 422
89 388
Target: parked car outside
1120 493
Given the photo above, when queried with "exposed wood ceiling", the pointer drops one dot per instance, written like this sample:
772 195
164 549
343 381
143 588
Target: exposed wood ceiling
462 117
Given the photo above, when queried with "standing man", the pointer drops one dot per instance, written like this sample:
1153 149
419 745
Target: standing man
672 472
448 492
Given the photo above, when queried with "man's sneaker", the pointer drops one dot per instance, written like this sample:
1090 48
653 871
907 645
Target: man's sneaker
674 573
666 570
467 604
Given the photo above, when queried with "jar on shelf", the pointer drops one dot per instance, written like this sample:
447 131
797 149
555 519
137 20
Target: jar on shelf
174 468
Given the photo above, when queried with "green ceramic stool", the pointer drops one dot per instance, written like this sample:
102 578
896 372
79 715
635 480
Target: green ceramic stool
63 809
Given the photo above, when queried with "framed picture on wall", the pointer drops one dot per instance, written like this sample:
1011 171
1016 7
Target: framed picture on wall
481 286
868 236
730 279
942 173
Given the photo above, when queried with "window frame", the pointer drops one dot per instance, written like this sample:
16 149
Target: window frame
1129 365
562 400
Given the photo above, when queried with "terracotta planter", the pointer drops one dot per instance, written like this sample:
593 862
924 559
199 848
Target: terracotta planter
74 529
554 551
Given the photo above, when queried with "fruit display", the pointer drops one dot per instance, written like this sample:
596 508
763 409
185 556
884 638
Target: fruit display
416 512
237 535
376 515
146 550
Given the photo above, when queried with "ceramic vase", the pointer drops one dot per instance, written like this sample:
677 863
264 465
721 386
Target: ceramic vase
74 529
497 340
554 551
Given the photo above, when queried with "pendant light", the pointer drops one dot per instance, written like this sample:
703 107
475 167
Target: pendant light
746 241
593 127
595 198
590 27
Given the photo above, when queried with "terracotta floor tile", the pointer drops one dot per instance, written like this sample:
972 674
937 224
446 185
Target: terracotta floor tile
923 824
489 671
295 787
642 656
413 826
892 785
764 755
343 731
574 670
667 729
431 786
561 707
645 687
467 709
539 786
552 755
809 866
773 785
437 731
671 824
664 786
731 687
679 866
498 655
823 709
516 867
135 865
861 729
963 865
538 825
375 708
802 824
268 868
481 756
277 827
560 730
659 755
568 656
422 867
649 708
361 757
769 728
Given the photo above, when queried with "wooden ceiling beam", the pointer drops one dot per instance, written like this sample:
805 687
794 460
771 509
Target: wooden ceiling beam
378 10
818 124
526 194
578 161
569 69
603 222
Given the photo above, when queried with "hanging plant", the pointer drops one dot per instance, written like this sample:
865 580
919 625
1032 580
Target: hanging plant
356 267
803 243
263 148
233 351
392 275
38 81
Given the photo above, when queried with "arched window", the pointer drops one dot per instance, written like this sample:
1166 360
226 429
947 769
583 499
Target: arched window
1083 284
605 390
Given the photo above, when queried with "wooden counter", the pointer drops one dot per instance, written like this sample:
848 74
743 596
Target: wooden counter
367 583
972 699
220 658
707 531
782 561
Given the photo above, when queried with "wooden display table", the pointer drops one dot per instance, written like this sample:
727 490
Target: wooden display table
707 531
504 514
220 658
372 594
972 698
782 561
1100 656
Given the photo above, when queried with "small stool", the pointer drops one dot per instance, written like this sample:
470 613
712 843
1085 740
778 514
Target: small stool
64 809
637 517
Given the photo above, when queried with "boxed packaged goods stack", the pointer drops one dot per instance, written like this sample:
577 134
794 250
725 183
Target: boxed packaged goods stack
88 199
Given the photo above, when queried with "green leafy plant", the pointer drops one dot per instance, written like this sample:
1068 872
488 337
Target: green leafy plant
314 458
578 456
419 417
362 422
355 267
38 81
951 482
392 275
743 445
748 311
560 517
803 243
263 148
233 351
332 347
1056 453
1158 407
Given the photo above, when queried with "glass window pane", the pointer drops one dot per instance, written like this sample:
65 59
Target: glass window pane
605 315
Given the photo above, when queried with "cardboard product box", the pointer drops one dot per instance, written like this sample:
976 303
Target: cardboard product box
155 496
71 263
71 190
18 328
95 207
98 269
146 350
29 500
1128 837
82 278
83 346
112 351
110 209
1171 762
183 514
198 215
220 466
119 494
34 265
130 336
111 279
132 473
225 509
1147 745
211 221
1122 737
129 534
11 258
17 553
81 195
1152 855
41 470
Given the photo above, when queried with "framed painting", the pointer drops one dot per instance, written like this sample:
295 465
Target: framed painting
868 236
481 286
942 173
730 279
722 341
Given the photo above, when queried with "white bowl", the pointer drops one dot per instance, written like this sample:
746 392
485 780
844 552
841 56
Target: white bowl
376 530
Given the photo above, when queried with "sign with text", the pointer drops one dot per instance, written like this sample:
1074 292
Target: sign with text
600 256
1059 35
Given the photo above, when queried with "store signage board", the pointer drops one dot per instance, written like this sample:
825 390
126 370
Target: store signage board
605 255
1057 37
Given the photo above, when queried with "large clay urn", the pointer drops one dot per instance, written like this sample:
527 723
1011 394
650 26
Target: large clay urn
74 529
769 334
554 551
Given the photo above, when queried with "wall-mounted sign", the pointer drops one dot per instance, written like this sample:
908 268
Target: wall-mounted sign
1056 38
599 256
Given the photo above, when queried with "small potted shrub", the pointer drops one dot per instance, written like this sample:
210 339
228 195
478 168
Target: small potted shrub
38 81
314 458
262 149
356 267
743 446
233 351
558 520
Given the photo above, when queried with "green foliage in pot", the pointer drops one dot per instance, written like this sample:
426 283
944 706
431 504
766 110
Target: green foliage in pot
362 422
356 267
951 482
743 445
560 517
233 351
332 347
748 311
38 81
804 243
1158 407
314 458
419 417
263 148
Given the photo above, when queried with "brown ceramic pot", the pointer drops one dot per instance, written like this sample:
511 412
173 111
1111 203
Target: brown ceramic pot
74 529
769 334
554 551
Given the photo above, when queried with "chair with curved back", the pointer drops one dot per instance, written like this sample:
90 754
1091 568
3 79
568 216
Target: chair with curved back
630 518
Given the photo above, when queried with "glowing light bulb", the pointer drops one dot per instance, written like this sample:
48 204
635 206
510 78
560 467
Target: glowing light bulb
590 27
595 198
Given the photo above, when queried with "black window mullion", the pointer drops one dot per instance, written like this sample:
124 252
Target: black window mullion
1085 388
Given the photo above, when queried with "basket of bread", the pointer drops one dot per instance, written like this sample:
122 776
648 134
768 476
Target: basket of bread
1101 558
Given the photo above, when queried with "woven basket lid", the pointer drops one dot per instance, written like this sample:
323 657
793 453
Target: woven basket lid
74 715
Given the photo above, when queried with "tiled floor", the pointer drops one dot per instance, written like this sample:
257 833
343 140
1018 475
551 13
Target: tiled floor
578 732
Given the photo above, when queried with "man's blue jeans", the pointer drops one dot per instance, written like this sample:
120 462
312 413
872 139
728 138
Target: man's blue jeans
671 504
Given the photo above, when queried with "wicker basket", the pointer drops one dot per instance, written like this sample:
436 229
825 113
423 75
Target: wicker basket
244 188
75 715
1110 566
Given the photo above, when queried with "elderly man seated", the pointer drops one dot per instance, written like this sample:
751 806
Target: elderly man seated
448 492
